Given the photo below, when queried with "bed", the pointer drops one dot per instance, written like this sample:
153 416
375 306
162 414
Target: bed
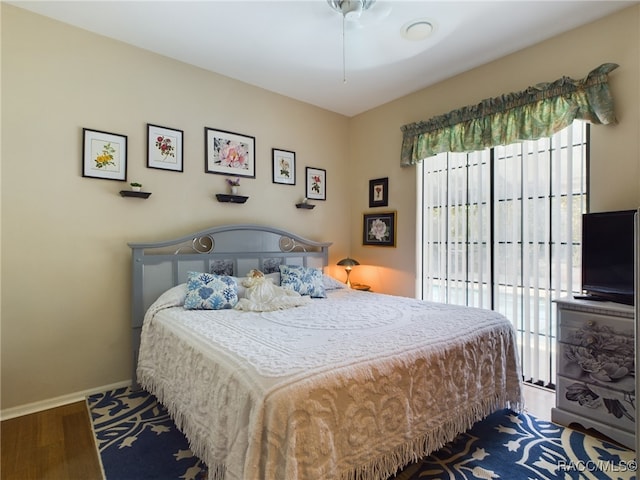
348 385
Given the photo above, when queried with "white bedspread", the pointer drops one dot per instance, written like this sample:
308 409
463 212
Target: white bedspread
354 386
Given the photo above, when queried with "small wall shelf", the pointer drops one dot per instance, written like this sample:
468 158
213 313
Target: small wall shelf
308 206
231 198
131 193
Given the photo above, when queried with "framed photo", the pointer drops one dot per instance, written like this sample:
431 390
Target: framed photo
164 148
379 229
316 184
379 192
284 166
229 153
104 155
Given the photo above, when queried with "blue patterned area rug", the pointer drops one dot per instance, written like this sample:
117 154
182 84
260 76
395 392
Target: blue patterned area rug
137 440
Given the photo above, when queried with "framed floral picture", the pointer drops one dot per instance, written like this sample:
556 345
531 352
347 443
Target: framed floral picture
379 192
164 148
316 183
379 229
229 153
284 166
104 155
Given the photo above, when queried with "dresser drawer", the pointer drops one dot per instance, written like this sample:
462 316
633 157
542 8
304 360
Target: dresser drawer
597 348
577 328
613 369
596 402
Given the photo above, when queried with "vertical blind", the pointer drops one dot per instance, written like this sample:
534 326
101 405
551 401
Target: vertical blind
501 229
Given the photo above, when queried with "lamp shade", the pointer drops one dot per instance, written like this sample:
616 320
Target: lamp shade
348 262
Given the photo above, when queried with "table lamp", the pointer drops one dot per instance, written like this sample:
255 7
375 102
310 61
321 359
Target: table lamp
348 264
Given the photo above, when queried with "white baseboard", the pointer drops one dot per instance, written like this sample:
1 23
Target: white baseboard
34 407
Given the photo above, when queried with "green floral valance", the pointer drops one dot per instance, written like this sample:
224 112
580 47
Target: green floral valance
536 112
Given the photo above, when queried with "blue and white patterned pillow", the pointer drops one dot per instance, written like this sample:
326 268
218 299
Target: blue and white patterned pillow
304 280
208 291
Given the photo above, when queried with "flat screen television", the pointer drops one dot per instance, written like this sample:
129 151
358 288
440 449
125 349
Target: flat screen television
608 250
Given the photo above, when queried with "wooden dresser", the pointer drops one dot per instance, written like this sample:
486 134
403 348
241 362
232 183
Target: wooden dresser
595 384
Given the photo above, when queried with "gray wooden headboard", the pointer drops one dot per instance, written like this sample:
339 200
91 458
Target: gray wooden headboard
228 249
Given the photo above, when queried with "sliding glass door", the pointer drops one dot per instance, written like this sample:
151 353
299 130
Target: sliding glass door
501 230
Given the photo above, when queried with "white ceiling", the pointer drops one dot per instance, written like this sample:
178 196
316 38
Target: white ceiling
295 47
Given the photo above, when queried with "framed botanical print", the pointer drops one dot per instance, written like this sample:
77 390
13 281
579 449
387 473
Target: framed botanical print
316 183
104 155
284 166
229 153
164 148
379 229
379 192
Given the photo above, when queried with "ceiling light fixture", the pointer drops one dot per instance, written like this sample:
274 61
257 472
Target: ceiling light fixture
349 9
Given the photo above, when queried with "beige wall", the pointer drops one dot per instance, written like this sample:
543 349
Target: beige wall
65 263
65 260
375 136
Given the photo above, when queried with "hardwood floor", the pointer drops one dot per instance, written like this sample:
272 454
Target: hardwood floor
58 444
539 401
55 444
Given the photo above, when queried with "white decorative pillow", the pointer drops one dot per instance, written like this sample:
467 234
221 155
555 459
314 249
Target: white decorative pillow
304 280
208 291
240 289
331 283
274 276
